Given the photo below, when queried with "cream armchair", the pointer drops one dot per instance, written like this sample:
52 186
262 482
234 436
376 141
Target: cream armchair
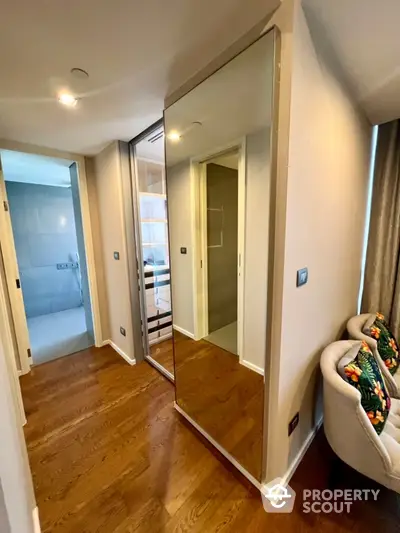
355 328
350 432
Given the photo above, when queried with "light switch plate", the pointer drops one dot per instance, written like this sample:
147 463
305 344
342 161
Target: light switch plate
302 277
116 256
293 423
123 331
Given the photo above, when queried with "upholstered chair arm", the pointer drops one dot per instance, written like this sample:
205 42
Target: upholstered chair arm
347 427
355 330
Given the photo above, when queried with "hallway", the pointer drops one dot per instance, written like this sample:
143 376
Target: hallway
109 454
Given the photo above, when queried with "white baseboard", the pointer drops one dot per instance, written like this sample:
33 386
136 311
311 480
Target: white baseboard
19 372
297 460
36 521
183 331
120 352
252 366
222 450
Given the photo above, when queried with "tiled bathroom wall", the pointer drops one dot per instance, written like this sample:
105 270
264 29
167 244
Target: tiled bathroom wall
44 233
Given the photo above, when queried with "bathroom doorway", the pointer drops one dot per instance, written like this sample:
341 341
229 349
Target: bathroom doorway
44 255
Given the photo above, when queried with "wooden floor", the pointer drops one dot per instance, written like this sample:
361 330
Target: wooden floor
109 454
164 355
224 397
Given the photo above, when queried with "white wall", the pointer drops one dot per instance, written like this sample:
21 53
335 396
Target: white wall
256 247
4 522
180 230
110 213
327 181
16 491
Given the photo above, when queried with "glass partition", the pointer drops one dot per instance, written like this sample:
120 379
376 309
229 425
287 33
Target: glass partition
153 255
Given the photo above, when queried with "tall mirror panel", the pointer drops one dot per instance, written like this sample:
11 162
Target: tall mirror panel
218 188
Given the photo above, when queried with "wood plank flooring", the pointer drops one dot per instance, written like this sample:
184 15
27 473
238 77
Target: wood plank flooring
224 397
109 454
163 353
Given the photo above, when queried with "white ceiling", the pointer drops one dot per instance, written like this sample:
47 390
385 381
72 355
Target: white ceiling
226 104
37 169
151 147
136 52
365 37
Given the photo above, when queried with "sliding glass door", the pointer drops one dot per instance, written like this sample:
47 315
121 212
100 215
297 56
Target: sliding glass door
152 248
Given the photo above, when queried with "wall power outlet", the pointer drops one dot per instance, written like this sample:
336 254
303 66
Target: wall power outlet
293 423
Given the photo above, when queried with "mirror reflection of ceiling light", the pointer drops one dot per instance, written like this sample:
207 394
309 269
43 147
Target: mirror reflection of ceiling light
67 99
173 136
79 73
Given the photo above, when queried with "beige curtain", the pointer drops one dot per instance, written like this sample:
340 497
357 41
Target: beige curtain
382 273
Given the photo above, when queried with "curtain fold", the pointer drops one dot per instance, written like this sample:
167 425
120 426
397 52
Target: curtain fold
382 271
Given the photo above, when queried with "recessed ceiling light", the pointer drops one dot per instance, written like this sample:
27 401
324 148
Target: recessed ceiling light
67 99
79 73
173 136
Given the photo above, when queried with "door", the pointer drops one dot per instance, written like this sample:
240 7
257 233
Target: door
13 279
221 197
83 271
151 221
222 253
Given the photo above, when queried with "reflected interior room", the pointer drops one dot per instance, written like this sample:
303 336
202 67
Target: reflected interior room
218 184
152 249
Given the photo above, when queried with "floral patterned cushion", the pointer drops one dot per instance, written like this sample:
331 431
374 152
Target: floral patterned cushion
363 373
387 345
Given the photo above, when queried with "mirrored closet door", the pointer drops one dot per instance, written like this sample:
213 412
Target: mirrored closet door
218 185
151 222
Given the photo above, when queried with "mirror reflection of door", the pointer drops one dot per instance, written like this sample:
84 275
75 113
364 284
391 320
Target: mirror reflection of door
222 251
